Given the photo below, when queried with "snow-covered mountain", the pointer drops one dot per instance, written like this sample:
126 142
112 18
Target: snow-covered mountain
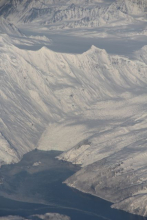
9 28
109 135
73 14
92 105
51 216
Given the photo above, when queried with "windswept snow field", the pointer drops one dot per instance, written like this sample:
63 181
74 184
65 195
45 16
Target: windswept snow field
73 77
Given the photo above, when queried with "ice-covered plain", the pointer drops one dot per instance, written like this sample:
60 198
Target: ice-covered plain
59 92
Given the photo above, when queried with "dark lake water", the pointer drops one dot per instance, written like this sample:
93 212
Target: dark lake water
39 190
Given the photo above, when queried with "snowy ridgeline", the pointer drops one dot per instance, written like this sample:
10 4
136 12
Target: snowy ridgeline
47 216
16 37
74 13
91 105
9 28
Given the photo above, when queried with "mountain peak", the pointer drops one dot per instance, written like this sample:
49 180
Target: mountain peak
94 49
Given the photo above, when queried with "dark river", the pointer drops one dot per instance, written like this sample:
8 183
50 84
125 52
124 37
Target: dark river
34 186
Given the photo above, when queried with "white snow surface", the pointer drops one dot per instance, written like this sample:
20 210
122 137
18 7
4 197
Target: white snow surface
47 216
11 217
92 105
52 216
74 13
9 28
41 38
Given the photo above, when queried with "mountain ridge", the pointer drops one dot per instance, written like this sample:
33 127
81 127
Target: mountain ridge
73 14
65 72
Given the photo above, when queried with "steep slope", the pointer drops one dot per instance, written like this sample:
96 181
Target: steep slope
26 106
73 14
92 105
132 7
9 28
44 86
141 54
108 139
